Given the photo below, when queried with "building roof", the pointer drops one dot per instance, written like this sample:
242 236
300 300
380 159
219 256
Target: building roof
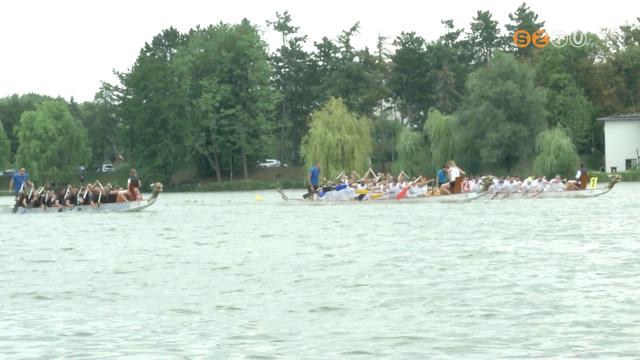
621 117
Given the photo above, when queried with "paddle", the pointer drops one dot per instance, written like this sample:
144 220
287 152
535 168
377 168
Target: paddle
403 193
284 197
64 199
326 183
101 190
31 199
46 199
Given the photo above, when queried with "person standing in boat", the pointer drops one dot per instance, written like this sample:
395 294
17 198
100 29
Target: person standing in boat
18 181
582 171
454 172
133 188
313 180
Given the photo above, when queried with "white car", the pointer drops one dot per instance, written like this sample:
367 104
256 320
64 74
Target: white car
269 163
106 168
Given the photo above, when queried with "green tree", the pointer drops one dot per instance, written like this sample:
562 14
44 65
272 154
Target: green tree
356 76
556 153
484 37
410 78
627 64
5 148
424 75
384 132
569 108
501 114
581 87
100 118
412 152
52 142
229 78
446 96
523 19
440 132
338 139
294 78
154 106
11 108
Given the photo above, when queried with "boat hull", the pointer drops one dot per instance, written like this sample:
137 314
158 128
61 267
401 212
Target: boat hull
456 198
573 194
131 206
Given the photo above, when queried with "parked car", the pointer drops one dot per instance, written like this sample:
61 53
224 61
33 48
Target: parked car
105 168
9 172
269 163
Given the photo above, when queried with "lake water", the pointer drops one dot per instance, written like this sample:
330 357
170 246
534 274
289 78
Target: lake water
223 276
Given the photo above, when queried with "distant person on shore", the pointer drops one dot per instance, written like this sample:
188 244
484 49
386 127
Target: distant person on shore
18 180
313 180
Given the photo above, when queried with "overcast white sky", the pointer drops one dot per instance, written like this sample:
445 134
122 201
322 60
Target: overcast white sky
67 47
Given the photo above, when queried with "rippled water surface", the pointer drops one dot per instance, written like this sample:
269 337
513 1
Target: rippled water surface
223 276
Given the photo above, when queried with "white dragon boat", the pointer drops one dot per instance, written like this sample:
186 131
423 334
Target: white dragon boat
565 194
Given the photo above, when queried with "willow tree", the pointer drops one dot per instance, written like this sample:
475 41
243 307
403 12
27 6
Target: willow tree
5 148
556 153
51 142
338 139
439 130
412 153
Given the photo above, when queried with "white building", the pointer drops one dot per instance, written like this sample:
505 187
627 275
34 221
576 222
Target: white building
621 141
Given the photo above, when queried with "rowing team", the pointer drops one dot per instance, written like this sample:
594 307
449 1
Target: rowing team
71 196
386 187
513 184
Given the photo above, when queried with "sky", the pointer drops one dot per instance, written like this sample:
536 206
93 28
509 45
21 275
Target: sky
67 47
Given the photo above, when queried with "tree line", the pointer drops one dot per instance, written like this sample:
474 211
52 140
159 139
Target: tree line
217 97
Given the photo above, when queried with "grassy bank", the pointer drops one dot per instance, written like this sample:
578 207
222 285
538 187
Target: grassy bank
239 185
259 179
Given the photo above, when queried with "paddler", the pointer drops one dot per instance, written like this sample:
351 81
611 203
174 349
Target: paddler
313 180
442 175
132 193
582 171
453 172
18 181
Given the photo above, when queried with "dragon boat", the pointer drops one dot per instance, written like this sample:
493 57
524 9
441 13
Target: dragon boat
117 207
345 196
565 194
